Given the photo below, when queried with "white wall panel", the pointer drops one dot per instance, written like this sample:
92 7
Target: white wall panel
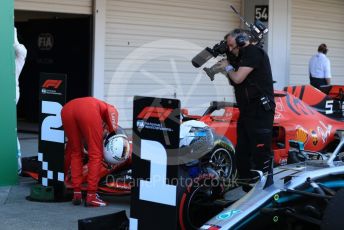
58 6
149 46
313 23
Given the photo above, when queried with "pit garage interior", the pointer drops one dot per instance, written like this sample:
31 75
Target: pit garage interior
56 43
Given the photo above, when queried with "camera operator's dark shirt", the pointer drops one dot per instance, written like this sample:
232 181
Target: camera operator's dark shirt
259 81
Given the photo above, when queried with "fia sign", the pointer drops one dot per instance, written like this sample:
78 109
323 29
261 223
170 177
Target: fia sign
45 41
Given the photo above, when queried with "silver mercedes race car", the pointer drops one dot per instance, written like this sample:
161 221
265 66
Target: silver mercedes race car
305 195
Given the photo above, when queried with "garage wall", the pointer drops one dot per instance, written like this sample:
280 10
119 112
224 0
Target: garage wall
313 23
149 45
58 6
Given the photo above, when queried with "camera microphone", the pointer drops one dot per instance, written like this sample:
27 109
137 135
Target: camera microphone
208 53
202 57
257 31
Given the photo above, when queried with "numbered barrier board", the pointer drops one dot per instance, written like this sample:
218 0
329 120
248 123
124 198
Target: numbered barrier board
154 199
52 97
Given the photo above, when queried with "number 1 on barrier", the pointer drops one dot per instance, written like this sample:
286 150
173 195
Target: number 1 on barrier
156 190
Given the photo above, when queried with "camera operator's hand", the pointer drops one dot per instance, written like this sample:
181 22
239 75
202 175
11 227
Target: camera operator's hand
223 63
219 67
226 66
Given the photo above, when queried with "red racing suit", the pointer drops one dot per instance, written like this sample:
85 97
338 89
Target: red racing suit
83 119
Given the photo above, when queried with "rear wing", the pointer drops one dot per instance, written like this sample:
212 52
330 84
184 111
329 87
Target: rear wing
328 101
334 91
308 94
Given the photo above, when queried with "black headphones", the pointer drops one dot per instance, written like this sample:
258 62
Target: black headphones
241 37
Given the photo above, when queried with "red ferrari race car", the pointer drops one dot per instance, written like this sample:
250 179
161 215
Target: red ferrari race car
303 113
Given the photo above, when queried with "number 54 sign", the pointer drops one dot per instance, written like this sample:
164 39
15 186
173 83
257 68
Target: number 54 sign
262 13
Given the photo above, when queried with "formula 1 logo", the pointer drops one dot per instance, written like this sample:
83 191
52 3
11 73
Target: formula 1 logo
155 112
52 83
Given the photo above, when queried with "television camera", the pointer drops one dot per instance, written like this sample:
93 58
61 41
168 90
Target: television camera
256 32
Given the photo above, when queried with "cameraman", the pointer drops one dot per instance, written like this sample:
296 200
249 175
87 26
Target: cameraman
253 86
232 56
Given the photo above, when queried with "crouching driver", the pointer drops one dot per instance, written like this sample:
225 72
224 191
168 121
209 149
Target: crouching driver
84 121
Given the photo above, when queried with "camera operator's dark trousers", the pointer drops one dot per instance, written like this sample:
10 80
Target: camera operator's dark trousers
254 135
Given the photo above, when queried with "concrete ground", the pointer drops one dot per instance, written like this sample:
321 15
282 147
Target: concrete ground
19 213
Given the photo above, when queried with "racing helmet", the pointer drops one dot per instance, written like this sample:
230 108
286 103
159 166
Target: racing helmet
196 139
116 149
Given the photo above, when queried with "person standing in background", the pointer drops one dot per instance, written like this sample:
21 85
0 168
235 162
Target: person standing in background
20 55
320 68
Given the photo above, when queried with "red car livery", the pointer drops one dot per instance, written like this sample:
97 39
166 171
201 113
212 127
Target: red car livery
302 113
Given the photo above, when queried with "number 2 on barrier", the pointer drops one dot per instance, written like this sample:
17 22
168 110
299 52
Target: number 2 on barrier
156 190
52 122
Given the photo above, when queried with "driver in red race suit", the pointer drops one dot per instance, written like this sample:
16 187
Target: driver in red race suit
84 121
